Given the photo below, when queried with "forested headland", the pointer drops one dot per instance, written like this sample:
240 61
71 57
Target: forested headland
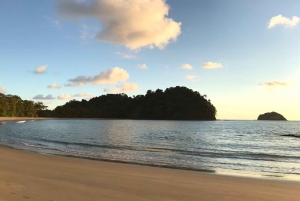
175 103
14 106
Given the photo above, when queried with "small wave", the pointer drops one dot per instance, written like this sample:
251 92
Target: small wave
35 146
77 154
163 150
52 148
135 148
273 175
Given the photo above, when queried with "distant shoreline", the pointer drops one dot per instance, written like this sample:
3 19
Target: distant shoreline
77 118
59 118
48 118
23 118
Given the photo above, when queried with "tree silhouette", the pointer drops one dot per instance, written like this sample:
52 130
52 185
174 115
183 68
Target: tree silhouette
175 103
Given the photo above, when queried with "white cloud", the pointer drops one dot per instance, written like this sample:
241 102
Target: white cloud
125 56
3 90
81 95
110 76
124 88
53 86
142 66
40 69
187 66
75 84
211 65
191 78
64 97
281 20
42 97
276 84
132 23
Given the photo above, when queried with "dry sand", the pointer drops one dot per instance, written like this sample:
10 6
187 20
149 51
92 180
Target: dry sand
37 177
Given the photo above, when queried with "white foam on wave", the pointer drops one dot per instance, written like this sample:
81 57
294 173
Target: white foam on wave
21 122
71 152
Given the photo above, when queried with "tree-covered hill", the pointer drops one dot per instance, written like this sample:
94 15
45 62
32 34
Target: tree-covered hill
175 103
14 106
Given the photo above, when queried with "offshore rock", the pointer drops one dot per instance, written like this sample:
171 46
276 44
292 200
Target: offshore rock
291 135
271 116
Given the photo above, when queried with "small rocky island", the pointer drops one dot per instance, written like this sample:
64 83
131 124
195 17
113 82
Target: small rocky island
271 116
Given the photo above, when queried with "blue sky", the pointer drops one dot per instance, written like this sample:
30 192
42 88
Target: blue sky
244 54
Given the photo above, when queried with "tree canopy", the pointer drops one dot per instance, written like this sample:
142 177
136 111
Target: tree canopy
175 103
14 106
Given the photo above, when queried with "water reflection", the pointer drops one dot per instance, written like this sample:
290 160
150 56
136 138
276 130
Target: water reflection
245 146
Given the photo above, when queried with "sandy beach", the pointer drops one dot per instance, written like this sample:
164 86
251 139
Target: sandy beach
37 177
22 118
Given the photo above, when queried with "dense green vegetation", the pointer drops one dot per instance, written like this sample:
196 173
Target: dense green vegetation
14 106
175 103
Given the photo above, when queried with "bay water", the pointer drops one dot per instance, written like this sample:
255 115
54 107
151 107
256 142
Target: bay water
250 148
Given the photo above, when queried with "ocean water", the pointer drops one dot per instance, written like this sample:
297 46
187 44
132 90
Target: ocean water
251 148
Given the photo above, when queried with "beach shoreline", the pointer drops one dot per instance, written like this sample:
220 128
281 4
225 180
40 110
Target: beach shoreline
231 173
23 118
47 177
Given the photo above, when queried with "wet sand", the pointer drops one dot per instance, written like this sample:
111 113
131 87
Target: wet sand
37 177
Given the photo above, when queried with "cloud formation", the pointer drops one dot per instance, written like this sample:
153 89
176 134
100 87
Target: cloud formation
281 20
53 86
40 69
142 66
211 65
124 88
75 84
3 90
125 56
276 84
81 95
187 67
64 97
132 23
42 97
110 76
191 78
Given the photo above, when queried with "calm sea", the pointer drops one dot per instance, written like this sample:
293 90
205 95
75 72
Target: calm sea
252 148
